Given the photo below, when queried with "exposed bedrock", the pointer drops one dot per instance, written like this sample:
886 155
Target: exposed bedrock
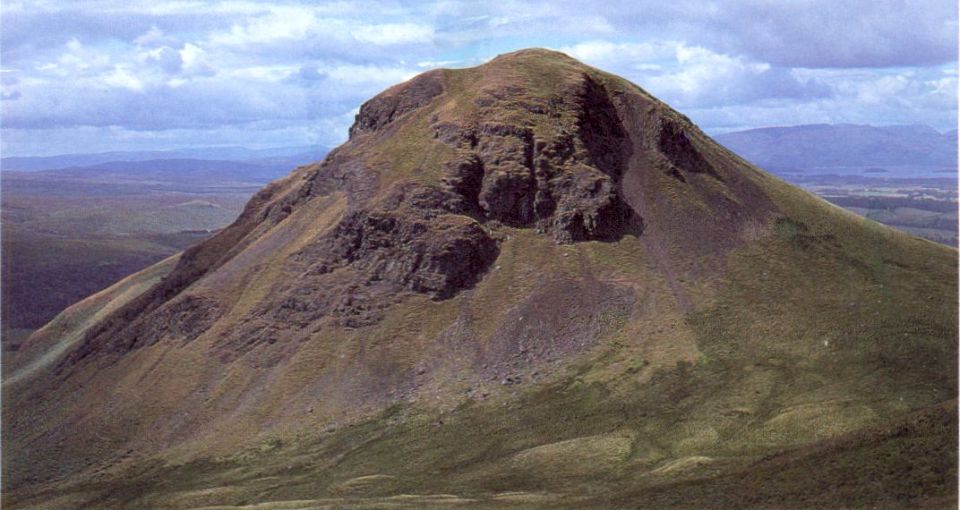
407 243
674 143
385 108
566 184
561 175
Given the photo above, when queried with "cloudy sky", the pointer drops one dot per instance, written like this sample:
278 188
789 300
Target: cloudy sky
87 76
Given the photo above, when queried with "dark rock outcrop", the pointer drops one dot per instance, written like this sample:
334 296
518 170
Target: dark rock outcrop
677 147
407 243
589 208
567 184
464 181
384 108
413 247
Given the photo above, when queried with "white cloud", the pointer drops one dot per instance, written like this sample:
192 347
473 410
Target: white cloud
609 52
281 24
194 61
693 76
121 77
393 33
876 91
155 37
703 76
430 64
299 23
235 66
164 57
271 74
75 59
357 74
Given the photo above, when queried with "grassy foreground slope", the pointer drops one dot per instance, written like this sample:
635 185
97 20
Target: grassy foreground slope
734 342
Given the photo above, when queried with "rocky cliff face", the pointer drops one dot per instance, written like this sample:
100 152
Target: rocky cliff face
552 162
532 244
431 238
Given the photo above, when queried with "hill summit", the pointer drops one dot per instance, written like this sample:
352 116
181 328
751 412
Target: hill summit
525 283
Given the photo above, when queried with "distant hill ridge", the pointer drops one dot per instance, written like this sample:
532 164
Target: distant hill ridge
304 153
818 146
202 170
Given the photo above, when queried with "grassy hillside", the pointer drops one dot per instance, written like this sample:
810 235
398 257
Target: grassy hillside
793 412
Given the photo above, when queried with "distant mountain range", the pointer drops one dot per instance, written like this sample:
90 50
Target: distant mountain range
170 172
289 156
898 151
881 151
